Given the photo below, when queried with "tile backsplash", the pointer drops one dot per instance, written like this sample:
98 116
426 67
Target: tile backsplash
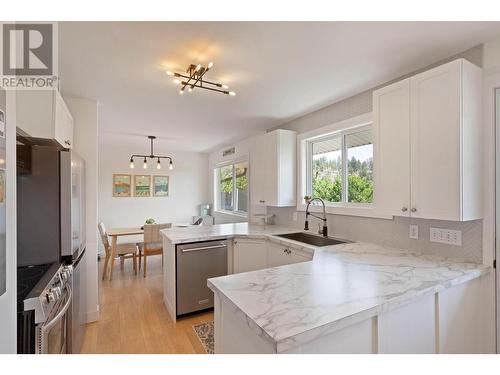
394 233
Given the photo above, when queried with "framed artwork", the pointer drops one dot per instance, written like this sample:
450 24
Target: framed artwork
122 185
142 185
160 186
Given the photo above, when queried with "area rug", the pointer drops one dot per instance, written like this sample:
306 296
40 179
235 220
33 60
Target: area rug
205 333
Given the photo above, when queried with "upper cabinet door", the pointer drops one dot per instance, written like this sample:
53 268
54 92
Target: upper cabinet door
272 176
63 123
260 162
43 114
435 112
391 140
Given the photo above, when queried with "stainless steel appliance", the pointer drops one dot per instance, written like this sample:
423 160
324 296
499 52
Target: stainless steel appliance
195 263
51 230
50 205
79 306
46 310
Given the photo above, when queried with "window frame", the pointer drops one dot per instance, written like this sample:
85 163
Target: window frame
304 163
216 190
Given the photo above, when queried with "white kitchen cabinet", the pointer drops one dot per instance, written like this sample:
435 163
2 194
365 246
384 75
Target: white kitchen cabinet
276 255
249 255
299 256
272 164
43 114
391 148
280 255
427 144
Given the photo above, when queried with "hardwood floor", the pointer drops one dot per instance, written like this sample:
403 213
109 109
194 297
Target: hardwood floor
133 318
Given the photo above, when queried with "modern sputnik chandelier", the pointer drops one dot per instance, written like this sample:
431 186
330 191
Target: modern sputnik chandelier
151 156
194 78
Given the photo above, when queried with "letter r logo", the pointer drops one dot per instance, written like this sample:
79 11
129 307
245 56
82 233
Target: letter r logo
27 49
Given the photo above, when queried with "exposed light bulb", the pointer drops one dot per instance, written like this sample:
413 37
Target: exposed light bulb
232 93
145 166
198 67
181 92
158 165
190 89
225 86
169 73
210 64
171 166
131 163
177 81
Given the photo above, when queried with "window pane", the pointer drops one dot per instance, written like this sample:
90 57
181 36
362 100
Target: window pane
327 169
226 188
241 199
360 166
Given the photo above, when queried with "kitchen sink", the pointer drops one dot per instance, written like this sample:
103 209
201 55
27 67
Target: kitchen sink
312 239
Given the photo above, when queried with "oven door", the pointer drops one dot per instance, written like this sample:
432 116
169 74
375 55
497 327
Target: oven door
53 334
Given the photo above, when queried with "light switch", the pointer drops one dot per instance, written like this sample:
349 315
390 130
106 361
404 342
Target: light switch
294 216
414 231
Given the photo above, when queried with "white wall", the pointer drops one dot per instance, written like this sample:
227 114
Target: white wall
491 81
188 183
8 334
86 126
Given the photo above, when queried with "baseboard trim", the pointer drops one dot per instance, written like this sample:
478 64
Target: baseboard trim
92 316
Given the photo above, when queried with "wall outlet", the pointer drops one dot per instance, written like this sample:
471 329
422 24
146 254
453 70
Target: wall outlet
447 236
414 231
294 216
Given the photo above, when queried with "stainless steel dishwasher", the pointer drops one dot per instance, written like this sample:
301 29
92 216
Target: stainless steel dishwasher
195 263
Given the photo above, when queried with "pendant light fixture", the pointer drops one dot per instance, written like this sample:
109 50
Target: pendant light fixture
194 78
152 156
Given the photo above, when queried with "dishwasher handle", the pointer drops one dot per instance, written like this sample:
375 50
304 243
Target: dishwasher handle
220 246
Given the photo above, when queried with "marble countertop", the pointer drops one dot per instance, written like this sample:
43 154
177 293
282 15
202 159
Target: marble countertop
342 285
178 235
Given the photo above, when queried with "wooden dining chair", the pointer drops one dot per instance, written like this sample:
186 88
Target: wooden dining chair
152 244
124 250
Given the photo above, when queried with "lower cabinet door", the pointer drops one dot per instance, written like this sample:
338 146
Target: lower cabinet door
277 255
298 256
249 255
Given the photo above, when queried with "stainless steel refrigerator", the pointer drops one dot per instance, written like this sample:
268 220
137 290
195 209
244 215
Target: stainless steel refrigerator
51 219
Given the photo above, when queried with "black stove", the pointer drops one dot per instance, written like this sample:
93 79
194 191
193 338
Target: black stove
27 278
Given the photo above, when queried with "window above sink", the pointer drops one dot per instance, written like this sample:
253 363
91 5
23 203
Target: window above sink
336 165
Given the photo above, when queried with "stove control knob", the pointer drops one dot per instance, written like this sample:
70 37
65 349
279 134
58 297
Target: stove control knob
57 292
50 297
64 275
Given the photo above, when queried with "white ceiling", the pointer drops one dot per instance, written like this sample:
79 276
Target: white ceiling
279 71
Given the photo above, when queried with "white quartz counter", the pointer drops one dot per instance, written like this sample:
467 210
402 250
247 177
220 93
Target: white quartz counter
344 284
178 235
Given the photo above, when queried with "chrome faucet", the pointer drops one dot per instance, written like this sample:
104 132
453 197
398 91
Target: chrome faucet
306 224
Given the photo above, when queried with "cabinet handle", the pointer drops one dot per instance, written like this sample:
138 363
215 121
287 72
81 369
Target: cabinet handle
404 209
67 142
261 201
413 209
